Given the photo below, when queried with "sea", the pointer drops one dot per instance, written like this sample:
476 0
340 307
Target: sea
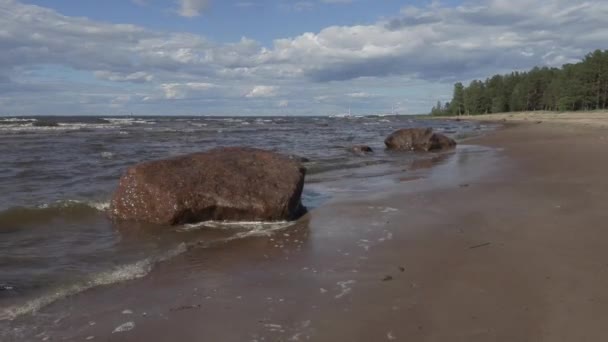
57 175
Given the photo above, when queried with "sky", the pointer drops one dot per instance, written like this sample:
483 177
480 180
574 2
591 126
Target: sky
275 57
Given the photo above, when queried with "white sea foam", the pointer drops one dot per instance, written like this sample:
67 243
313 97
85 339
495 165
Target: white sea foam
17 120
124 327
107 155
345 288
98 205
61 127
251 228
129 121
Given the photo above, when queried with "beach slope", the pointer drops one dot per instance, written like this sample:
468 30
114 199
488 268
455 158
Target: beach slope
503 242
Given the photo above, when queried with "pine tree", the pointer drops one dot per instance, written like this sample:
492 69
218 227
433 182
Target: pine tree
457 103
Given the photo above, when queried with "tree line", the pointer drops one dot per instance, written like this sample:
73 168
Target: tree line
573 87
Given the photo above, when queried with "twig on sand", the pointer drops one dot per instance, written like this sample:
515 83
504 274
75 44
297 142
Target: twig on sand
481 245
186 307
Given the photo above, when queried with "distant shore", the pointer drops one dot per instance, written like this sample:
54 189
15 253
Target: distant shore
590 118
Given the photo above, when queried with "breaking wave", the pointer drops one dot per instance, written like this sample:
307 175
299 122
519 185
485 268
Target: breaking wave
122 273
41 213
141 268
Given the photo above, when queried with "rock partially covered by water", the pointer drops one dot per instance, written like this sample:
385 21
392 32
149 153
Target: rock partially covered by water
361 149
222 184
418 139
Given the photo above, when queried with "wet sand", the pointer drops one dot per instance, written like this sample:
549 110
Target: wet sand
501 243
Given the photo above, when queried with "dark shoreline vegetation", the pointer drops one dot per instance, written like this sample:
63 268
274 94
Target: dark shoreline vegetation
573 87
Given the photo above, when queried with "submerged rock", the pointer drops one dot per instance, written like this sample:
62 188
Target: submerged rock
222 184
361 149
298 158
418 139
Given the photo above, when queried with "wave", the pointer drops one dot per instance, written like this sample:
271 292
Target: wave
25 127
129 121
16 120
250 228
122 273
41 213
141 268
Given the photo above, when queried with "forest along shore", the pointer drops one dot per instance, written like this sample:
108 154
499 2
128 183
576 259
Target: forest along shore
581 86
508 255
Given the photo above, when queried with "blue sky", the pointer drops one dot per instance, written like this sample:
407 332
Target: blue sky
274 57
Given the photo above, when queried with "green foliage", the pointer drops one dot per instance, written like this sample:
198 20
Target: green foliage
580 86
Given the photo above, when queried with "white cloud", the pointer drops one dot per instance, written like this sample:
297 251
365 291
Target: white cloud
303 6
283 103
360 95
322 98
191 8
136 77
337 1
179 91
262 91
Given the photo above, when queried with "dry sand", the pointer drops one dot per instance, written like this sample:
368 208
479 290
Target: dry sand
505 243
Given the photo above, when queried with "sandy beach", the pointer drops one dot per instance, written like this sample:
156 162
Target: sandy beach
504 240
598 118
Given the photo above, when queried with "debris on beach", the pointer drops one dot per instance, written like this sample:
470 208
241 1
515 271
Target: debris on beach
124 327
344 287
186 307
480 245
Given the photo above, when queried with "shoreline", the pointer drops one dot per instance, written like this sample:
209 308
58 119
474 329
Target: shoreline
598 118
498 243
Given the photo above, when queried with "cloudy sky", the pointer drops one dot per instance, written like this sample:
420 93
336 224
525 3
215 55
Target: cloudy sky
274 57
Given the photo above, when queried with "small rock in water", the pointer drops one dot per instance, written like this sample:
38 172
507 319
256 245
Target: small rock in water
361 149
418 139
124 327
401 268
387 278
